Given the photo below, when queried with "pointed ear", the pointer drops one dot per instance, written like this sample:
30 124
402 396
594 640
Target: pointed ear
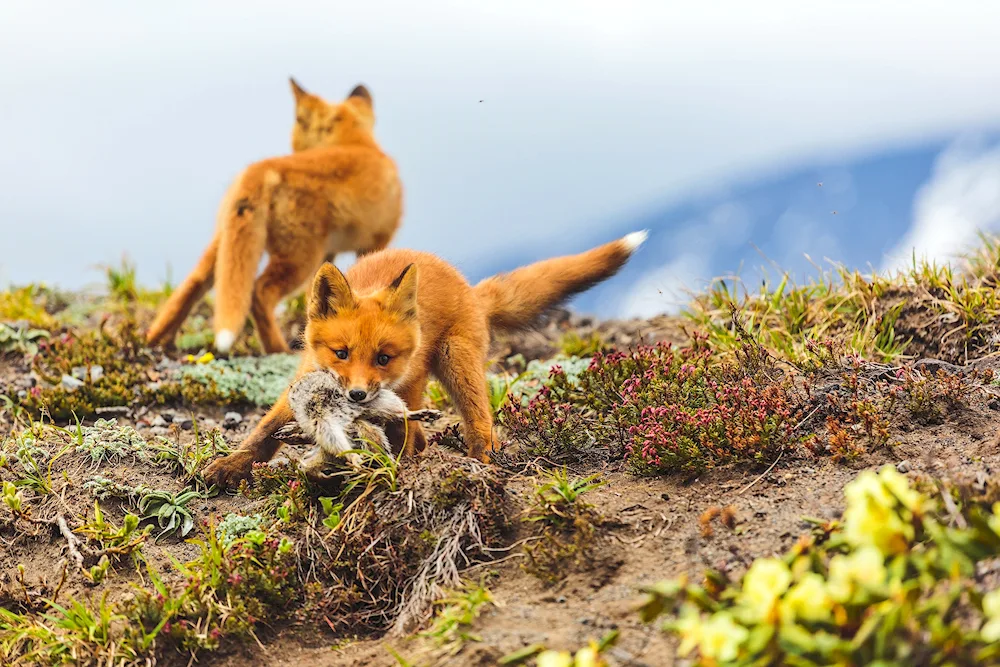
402 294
330 293
297 90
361 93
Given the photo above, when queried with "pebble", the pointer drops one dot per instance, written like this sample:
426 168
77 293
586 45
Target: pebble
159 422
159 430
561 599
79 372
70 383
185 423
96 373
232 419
622 655
903 467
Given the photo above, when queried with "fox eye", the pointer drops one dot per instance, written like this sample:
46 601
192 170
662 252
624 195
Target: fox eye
341 354
383 359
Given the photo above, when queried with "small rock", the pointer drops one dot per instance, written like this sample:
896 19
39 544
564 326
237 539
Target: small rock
583 621
70 383
96 373
622 655
561 599
232 420
159 430
903 467
159 422
79 372
185 423
113 410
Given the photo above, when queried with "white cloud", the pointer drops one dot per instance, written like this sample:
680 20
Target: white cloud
665 289
668 288
961 198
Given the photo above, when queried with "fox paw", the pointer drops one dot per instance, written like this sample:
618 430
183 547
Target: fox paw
230 470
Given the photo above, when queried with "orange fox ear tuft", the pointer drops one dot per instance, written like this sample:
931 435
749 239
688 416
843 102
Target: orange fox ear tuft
297 90
330 293
402 297
362 93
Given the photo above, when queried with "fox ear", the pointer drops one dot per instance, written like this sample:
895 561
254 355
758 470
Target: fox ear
330 293
361 93
297 90
402 297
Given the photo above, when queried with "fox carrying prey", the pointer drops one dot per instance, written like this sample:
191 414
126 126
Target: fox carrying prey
380 327
337 193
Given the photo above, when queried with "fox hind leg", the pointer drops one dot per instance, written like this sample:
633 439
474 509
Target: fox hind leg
280 278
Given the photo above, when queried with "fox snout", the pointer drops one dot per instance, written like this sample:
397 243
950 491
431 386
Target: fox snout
357 395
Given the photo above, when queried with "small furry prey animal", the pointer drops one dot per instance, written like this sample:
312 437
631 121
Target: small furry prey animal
328 418
379 328
338 192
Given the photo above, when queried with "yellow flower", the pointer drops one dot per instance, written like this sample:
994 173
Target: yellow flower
874 516
991 609
864 568
808 600
868 523
588 657
765 581
721 638
994 520
555 659
899 486
688 626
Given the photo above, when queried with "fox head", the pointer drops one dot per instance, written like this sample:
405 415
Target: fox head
366 340
320 123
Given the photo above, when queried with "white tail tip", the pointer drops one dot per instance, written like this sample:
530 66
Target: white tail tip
635 239
224 341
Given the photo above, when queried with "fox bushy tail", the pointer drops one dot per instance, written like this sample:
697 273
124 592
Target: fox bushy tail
517 299
176 308
230 263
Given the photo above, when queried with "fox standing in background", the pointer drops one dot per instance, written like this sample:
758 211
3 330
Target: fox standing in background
378 327
338 192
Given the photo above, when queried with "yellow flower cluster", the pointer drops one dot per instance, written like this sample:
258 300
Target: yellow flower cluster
991 608
588 656
877 524
880 510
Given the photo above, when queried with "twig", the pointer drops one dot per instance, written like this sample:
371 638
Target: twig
780 453
763 474
71 540
949 504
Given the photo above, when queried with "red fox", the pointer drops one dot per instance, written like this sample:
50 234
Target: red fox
338 192
375 328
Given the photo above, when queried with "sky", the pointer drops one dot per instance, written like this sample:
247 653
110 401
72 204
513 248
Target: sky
521 129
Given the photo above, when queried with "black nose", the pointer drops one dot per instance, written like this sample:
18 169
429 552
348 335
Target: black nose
357 395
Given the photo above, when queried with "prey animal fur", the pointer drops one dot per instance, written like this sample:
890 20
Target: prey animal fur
327 418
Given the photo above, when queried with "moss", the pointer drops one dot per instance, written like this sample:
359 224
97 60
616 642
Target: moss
106 441
235 526
257 380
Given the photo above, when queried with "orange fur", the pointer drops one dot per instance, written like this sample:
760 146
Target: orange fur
338 192
399 316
